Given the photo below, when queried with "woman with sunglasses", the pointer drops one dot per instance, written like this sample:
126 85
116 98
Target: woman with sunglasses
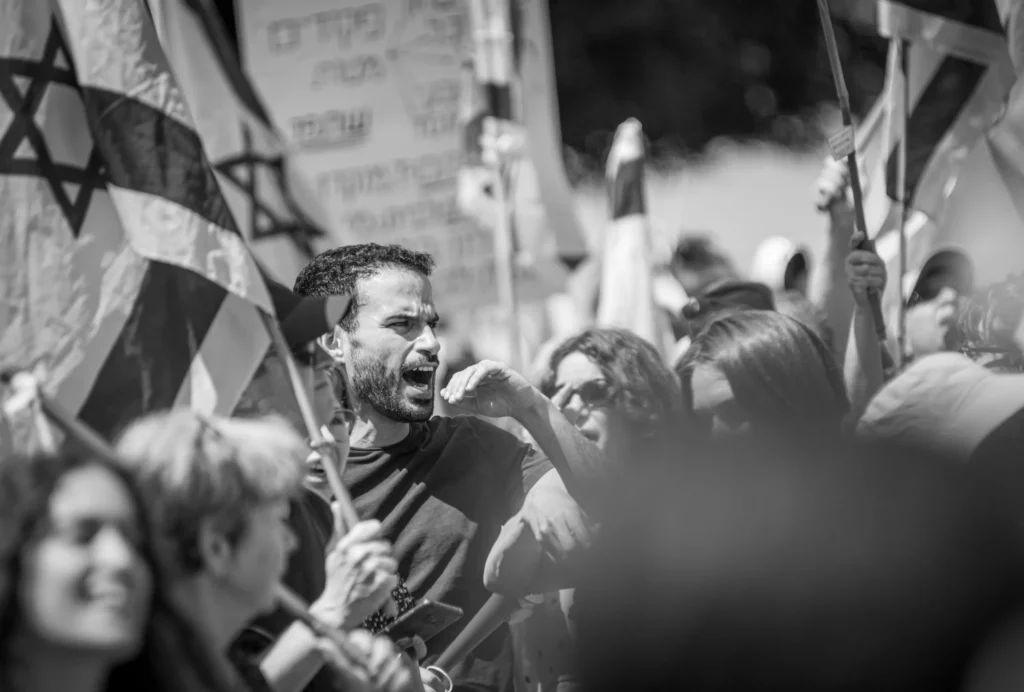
613 386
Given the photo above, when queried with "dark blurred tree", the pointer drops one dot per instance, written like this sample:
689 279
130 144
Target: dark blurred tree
696 70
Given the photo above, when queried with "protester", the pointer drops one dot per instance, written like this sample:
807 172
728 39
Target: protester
615 388
990 328
725 296
218 492
442 487
759 370
79 611
932 302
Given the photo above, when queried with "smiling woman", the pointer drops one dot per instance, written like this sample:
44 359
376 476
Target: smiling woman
80 605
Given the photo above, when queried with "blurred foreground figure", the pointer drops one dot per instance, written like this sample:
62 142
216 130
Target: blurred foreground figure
753 568
79 611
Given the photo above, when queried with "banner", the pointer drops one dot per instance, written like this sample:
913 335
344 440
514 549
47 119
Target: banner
368 92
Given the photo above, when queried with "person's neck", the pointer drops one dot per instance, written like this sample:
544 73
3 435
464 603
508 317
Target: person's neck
373 430
41 668
210 612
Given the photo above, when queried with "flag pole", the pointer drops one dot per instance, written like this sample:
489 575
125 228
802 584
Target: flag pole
847 148
901 182
493 47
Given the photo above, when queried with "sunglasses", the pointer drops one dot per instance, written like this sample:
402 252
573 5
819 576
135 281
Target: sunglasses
593 394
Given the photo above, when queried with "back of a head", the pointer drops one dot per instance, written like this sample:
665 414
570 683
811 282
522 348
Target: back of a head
191 468
782 375
726 297
696 263
759 567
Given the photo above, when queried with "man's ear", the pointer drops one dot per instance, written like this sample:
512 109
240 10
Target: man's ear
334 343
214 549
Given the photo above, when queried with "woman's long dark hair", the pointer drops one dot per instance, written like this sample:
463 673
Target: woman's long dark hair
643 390
169 647
782 375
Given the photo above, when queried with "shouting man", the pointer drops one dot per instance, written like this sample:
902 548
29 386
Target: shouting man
443 487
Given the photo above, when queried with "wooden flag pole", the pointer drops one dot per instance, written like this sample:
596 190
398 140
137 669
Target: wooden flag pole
845 146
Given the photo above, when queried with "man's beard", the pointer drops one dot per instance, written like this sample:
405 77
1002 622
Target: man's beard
374 386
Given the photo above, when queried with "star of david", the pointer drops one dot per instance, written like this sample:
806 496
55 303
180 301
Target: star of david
242 170
24 101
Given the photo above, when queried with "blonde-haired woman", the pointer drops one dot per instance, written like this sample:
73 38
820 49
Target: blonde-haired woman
218 492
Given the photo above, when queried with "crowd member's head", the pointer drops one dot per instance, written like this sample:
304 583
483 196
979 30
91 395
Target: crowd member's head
781 265
615 388
755 567
76 585
696 263
932 302
759 370
725 297
217 491
989 327
386 339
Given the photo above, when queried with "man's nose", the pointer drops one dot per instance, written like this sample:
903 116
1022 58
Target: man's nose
428 342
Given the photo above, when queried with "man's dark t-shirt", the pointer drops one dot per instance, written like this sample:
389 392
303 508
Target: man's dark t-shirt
442 495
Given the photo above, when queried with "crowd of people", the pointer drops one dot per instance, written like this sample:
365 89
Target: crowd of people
767 507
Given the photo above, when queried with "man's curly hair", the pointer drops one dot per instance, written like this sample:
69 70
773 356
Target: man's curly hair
338 271
643 389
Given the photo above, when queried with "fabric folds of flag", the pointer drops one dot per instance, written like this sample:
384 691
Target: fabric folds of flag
270 198
958 76
122 272
627 286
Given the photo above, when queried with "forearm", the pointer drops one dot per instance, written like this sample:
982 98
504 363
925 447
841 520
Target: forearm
863 370
829 290
582 466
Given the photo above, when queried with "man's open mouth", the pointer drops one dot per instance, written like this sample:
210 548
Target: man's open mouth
419 377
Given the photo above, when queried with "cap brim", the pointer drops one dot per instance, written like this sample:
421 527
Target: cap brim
304 319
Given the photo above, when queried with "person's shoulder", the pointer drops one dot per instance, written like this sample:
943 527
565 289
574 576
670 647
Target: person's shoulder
477 430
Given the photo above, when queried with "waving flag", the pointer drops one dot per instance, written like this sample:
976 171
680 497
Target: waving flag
985 214
270 199
958 76
122 272
627 285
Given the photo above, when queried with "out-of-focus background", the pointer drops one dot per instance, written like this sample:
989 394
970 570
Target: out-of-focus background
734 95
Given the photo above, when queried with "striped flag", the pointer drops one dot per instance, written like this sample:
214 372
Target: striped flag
122 271
984 217
958 76
627 284
270 198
